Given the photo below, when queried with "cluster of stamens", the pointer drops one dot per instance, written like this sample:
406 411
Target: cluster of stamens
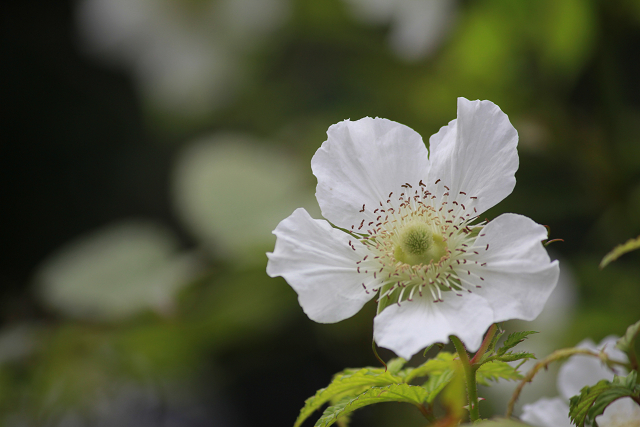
421 241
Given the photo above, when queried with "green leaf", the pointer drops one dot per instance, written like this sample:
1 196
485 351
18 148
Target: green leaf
626 343
395 365
437 382
592 401
496 370
348 383
513 340
511 357
579 405
618 251
391 393
441 363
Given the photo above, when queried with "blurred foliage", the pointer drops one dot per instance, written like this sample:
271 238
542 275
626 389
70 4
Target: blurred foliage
86 145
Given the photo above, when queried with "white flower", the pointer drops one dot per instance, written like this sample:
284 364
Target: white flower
412 238
580 371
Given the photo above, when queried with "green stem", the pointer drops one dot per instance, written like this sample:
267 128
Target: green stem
470 376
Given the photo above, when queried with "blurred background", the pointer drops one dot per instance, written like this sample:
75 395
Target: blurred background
149 147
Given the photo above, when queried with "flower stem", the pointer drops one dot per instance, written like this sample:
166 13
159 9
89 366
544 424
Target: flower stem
470 376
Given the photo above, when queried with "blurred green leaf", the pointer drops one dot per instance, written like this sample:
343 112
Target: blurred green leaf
500 422
438 365
437 382
618 251
496 370
627 342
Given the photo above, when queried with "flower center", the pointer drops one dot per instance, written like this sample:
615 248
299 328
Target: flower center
418 244
421 241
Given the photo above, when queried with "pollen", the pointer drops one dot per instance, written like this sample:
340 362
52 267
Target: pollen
424 244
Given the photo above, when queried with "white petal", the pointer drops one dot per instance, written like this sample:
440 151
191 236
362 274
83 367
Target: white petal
476 153
580 370
316 260
361 162
518 276
414 325
547 413
621 413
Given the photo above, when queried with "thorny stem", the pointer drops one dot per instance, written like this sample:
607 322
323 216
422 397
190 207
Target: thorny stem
470 375
485 344
427 412
554 357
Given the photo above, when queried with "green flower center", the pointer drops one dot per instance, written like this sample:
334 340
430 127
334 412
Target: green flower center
418 244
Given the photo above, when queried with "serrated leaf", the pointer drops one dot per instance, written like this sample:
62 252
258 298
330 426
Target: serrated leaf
392 393
513 340
618 251
579 405
512 357
442 362
605 399
347 384
627 342
620 387
496 370
437 382
592 401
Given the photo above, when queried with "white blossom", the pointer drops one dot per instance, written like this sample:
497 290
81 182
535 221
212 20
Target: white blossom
412 239
580 371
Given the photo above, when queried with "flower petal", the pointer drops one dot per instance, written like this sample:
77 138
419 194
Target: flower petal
316 260
476 153
361 162
580 370
414 325
620 413
547 413
518 275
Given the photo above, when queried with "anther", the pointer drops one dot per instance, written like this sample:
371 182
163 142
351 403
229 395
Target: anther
362 210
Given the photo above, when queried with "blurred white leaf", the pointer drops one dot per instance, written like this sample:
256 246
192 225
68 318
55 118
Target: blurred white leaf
115 272
186 56
418 27
231 191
